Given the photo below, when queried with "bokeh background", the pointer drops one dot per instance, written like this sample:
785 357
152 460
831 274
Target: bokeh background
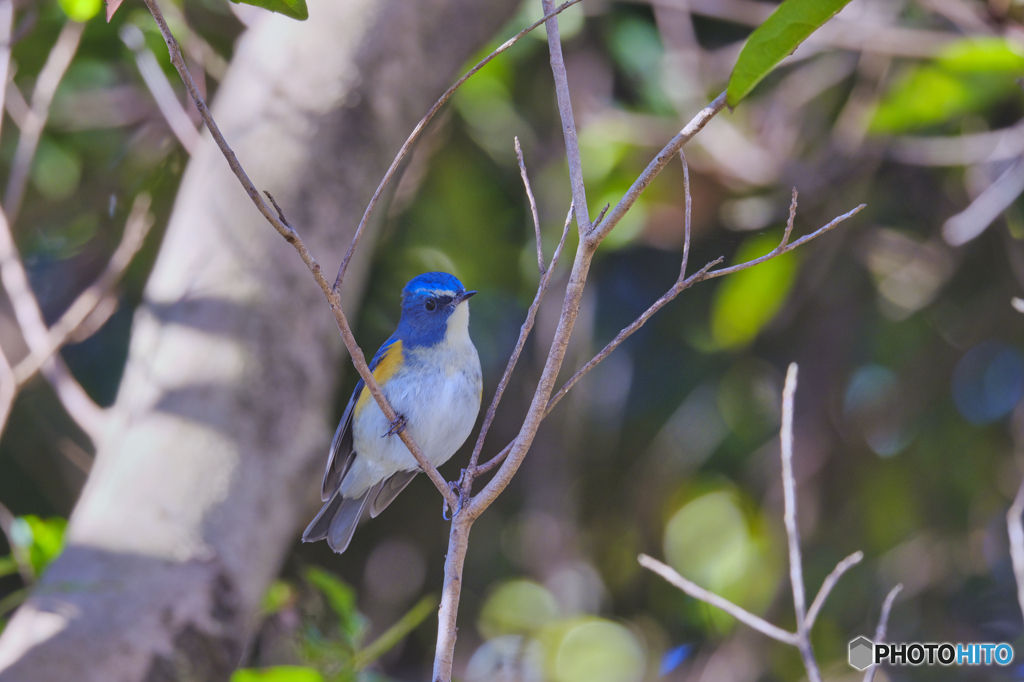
909 422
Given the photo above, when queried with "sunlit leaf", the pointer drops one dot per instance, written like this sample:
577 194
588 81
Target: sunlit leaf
749 299
517 607
593 650
775 39
44 538
81 10
969 75
977 55
280 673
296 9
711 541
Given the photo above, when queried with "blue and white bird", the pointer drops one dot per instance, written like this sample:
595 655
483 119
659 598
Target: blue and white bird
429 371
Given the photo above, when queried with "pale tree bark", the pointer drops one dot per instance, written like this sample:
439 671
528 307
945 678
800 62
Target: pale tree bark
211 462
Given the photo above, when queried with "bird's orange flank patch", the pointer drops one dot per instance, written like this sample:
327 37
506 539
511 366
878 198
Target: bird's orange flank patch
392 361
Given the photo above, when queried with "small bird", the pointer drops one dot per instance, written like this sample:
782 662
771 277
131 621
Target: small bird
429 371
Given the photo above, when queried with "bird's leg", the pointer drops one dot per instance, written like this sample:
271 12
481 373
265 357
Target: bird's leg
444 505
397 426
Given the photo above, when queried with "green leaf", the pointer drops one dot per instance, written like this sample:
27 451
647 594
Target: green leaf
296 9
43 538
969 75
775 39
279 595
8 566
980 55
280 673
81 10
748 300
342 600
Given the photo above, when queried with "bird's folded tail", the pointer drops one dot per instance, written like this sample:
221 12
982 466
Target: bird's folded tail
338 519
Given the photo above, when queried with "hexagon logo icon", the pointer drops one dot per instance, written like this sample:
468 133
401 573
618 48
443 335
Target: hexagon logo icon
861 653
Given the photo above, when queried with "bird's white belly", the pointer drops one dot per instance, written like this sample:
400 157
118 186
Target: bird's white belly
439 401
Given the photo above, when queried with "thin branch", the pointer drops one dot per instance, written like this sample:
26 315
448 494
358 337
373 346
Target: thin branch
531 315
781 249
682 285
160 88
572 144
418 130
696 124
737 612
533 207
796 570
292 237
883 624
1015 528
33 328
82 309
53 71
830 582
6 26
689 211
986 207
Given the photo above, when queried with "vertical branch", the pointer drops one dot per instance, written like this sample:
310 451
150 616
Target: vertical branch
572 144
53 71
160 88
796 572
1015 529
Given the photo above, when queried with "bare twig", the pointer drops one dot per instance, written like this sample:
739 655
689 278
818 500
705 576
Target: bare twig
418 130
689 212
33 328
82 309
883 624
682 285
533 207
531 315
698 592
796 570
6 26
601 230
986 207
293 238
160 88
572 144
830 582
1015 529
42 96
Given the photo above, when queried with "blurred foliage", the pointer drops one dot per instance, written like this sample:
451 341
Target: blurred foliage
296 9
910 420
331 649
969 76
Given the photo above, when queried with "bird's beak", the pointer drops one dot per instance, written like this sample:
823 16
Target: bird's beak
464 296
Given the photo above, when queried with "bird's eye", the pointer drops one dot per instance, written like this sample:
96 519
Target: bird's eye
430 305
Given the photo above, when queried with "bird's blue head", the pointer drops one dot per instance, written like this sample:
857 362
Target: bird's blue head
434 309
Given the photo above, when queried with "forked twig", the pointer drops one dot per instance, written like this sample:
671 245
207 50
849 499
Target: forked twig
830 582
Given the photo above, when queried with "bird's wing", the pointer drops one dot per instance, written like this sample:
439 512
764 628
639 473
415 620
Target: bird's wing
340 458
389 492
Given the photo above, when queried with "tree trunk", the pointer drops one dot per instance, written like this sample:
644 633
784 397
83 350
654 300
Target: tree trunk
223 418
